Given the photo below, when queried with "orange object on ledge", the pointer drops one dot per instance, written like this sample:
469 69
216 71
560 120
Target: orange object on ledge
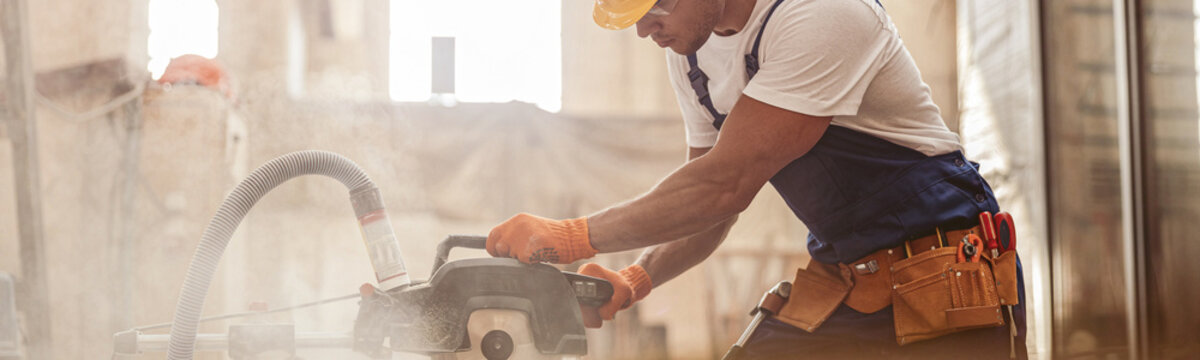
196 69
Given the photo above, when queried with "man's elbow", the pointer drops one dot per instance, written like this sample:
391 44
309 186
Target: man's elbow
733 185
733 200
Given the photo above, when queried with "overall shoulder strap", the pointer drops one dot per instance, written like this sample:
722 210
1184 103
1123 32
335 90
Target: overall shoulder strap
699 80
752 57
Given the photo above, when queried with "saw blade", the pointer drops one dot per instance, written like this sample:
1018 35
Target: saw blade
498 334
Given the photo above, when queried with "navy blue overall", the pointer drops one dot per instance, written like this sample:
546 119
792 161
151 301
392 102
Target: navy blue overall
858 194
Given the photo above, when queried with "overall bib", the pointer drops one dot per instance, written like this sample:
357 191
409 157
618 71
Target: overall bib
859 194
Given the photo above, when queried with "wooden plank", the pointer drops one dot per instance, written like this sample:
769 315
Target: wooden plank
22 125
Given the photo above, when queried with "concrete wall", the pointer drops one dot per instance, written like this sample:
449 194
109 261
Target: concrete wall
112 266
113 30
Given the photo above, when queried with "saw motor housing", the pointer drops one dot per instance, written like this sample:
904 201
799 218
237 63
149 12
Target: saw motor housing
432 317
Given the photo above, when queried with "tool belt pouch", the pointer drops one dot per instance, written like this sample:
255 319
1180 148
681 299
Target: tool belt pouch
1004 268
933 295
816 293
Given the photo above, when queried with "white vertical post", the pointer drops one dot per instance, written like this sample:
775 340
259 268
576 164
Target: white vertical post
22 125
1130 145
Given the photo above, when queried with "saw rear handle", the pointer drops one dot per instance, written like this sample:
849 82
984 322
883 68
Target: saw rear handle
590 291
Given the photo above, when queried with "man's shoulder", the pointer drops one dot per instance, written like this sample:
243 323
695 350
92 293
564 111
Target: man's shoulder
787 6
808 25
845 14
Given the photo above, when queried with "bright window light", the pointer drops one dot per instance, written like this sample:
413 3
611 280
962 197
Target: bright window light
179 27
504 50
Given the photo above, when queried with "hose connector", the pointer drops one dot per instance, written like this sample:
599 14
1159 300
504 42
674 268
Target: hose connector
382 246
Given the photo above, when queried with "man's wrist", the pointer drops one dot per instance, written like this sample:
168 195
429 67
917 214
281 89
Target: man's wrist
577 245
639 279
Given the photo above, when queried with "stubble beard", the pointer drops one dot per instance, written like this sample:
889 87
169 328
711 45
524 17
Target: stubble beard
702 29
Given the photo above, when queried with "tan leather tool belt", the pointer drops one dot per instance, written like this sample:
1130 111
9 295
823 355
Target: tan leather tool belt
931 293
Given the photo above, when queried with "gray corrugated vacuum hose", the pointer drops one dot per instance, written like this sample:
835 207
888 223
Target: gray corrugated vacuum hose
368 207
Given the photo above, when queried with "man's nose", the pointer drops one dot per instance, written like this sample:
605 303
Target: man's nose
646 26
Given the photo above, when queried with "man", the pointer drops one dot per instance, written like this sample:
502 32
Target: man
826 104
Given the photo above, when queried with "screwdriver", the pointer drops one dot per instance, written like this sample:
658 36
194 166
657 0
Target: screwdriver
989 232
1006 233
1007 238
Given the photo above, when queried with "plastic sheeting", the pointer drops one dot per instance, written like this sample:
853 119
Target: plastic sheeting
1001 126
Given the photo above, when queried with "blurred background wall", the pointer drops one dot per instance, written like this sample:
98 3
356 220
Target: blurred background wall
1121 80
126 193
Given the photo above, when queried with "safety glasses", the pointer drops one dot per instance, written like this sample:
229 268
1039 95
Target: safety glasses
662 8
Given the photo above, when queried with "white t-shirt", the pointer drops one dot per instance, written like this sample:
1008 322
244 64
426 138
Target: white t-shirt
839 58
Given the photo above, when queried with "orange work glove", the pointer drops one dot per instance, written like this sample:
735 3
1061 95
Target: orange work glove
630 285
533 239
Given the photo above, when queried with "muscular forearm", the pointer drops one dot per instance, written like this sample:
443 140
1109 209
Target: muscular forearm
692 199
666 261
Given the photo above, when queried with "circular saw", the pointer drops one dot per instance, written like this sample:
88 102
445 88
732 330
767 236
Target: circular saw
481 309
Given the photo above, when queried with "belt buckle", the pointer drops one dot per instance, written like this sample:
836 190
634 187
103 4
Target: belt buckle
867 268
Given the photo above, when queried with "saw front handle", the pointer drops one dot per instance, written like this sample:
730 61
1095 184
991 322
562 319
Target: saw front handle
453 241
590 291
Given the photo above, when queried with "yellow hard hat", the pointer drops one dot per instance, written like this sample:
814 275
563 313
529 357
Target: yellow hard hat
620 14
